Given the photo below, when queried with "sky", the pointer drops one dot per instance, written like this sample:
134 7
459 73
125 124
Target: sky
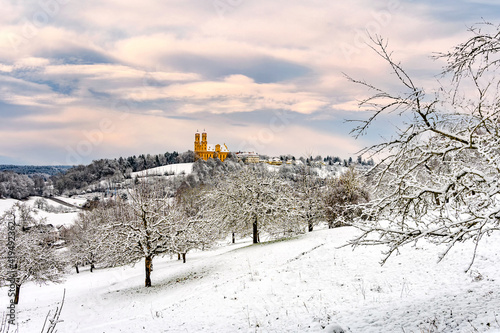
83 80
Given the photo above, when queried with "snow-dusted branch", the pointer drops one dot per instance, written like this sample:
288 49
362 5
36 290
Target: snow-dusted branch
438 177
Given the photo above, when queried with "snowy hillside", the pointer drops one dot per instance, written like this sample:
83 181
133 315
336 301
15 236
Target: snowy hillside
170 169
56 219
300 285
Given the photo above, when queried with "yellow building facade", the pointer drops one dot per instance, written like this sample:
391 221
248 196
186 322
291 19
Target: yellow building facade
204 150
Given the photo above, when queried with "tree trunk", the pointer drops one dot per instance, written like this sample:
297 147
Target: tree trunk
16 297
310 226
148 263
77 270
255 231
184 258
178 256
234 240
436 198
92 267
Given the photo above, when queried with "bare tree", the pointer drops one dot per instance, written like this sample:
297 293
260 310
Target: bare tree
149 224
199 231
139 229
308 188
252 200
25 254
84 239
438 176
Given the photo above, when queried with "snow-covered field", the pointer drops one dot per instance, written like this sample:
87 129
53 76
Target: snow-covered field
78 202
174 169
299 285
56 220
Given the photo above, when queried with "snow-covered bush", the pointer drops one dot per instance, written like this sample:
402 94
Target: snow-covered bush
342 197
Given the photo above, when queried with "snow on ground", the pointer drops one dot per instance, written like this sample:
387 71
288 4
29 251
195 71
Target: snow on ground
298 285
56 219
65 219
78 202
170 169
6 204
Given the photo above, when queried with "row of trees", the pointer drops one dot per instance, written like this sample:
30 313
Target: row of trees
329 160
41 170
114 171
239 200
73 180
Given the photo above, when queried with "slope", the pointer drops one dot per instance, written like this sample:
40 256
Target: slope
300 285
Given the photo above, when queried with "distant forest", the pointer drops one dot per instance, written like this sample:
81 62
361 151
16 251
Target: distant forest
49 170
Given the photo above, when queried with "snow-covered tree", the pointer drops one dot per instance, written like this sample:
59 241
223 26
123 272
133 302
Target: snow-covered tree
137 230
438 177
148 224
342 196
199 230
84 240
15 185
25 254
308 189
254 200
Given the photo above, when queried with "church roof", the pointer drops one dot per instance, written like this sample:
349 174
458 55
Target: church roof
223 148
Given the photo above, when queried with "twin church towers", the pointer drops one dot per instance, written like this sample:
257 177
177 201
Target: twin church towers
204 150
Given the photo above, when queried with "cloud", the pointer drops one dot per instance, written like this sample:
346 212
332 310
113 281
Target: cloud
174 66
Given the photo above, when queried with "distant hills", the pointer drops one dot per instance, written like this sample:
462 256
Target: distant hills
36 169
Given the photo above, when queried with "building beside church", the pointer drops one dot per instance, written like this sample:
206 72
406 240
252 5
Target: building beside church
204 150
248 157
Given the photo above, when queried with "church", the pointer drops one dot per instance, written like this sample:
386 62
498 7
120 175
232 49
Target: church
204 150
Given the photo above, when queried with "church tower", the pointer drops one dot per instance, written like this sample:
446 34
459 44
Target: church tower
204 143
197 142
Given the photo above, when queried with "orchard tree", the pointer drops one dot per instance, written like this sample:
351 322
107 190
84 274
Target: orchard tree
138 229
84 238
308 189
25 254
254 200
147 225
198 231
438 177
